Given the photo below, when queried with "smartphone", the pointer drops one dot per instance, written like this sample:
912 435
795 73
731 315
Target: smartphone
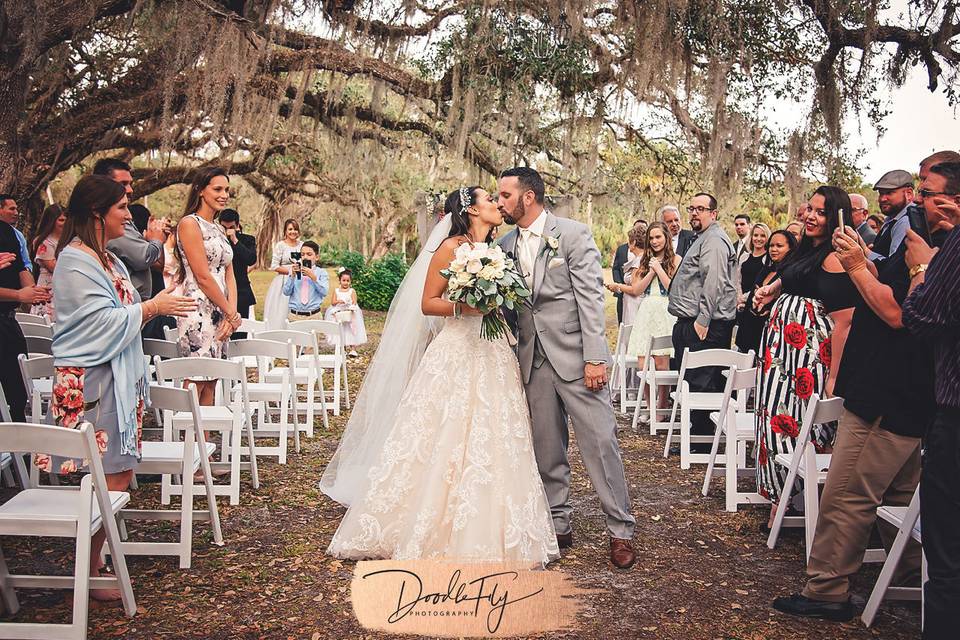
307 264
918 223
841 225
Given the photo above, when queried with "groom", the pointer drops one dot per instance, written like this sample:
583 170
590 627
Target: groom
563 355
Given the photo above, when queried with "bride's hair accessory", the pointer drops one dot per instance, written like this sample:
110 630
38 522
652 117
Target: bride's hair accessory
464 199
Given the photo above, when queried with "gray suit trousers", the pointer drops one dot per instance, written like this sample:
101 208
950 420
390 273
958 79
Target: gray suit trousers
552 400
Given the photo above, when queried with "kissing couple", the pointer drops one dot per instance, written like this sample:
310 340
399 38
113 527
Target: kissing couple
456 448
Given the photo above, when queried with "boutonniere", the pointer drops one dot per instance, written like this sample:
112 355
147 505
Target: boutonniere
551 245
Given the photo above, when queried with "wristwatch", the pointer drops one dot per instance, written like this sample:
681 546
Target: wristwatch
917 269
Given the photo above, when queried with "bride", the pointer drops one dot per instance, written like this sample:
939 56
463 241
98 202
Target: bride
453 475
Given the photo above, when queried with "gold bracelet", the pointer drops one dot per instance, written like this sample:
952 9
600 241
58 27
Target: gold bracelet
917 269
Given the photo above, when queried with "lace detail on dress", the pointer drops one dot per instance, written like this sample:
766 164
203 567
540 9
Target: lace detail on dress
457 477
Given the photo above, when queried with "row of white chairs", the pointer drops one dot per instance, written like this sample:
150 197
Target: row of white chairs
735 430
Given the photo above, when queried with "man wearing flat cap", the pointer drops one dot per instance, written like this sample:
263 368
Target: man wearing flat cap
895 189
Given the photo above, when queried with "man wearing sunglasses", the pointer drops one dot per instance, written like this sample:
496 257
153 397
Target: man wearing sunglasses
703 297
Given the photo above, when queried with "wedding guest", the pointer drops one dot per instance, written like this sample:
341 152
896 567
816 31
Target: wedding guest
170 266
156 327
795 229
703 298
751 261
889 402
276 308
741 226
931 313
244 256
802 342
206 273
652 278
938 157
750 321
895 195
681 239
138 251
620 257
44 248
16 288
10 214
860 213
307 285
96 347
624 292
875 222
343 300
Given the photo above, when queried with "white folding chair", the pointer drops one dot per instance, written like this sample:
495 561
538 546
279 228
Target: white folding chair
231 417
699 400
37 372
809 465
13 468
31 318
907 521
329 333
307 370
622 367
39 330
183 458
262 394
165 349
651 379
39 346
735 426
63 512
251 327
170 334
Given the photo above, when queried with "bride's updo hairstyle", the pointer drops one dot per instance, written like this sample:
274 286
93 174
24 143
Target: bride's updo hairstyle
456 207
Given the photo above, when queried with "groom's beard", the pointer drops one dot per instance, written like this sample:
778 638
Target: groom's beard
517 213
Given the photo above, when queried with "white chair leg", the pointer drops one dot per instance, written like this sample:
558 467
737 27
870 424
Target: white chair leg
784 501
708 476
730 472
346 383
234 457
336 391
886 574
186 510
811 508
685 438
81 578
8 593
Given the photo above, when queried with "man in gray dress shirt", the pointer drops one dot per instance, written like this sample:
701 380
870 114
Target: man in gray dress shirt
703 297
137 251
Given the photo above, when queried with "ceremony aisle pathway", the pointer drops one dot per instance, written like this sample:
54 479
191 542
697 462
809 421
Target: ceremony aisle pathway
701 572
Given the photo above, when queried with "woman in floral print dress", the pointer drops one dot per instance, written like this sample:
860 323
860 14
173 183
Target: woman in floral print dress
100 373
206 274
802 342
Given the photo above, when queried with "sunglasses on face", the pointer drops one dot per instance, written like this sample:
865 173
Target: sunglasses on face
926 193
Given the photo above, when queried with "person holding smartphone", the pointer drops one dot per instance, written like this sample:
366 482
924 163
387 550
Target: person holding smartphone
307 285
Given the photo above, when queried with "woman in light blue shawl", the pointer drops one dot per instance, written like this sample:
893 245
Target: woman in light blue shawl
101 374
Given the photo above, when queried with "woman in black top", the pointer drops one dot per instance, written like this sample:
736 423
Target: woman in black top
802 342
750 321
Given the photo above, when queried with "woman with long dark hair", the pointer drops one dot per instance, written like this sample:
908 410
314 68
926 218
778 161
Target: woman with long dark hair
43 250
750 322
100 374
455 476
651 279
802 342
206 273
276 307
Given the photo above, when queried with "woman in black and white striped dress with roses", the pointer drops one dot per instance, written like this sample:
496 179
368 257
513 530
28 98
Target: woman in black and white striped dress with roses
802 342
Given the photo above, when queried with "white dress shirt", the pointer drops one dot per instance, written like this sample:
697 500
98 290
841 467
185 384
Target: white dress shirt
528 245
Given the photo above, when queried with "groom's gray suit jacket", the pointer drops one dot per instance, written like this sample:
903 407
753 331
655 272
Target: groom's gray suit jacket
566 310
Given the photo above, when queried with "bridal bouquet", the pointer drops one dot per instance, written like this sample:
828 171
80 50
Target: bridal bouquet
484 278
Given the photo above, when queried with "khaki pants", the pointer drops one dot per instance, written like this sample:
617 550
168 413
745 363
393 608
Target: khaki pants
870 466
316 315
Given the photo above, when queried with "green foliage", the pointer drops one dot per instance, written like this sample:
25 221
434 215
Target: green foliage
378 281
354 261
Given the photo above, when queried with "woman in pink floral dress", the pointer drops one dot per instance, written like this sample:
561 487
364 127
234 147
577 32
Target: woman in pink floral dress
43 250
100 372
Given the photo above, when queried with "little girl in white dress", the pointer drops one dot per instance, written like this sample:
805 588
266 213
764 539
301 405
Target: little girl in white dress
344 301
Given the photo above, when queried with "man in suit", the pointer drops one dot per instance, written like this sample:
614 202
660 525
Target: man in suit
562 348
859 213
620 258
244 255
681 238
138 251
741 225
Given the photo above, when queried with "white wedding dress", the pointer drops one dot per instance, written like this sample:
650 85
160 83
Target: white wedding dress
456 477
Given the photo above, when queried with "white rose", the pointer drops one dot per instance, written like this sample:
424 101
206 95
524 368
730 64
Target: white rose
489 272
463 278
458 265
463 252
474 266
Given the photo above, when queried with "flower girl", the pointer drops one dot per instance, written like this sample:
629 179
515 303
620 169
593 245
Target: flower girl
344 309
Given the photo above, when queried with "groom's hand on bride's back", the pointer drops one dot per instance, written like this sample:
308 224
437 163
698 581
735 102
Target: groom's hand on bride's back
595 376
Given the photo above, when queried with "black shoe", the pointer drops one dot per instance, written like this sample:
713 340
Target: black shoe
674 450
565 540
799 605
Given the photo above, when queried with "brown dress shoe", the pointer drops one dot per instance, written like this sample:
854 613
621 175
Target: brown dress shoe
622 554
565 540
